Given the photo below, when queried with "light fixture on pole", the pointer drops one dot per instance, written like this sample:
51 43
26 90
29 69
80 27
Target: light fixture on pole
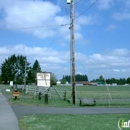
68 1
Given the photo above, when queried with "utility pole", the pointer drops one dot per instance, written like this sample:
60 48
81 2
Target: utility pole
72 52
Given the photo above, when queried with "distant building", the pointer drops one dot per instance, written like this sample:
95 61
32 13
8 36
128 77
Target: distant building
114 84
87 83
67 82
58 82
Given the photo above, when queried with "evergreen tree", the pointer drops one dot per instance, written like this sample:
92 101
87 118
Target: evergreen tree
36 68
13 69
78 77
128 80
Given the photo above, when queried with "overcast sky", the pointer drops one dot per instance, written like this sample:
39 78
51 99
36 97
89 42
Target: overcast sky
39 29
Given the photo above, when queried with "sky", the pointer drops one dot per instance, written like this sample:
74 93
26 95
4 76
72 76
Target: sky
39 29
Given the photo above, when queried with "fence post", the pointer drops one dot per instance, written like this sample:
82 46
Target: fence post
46 98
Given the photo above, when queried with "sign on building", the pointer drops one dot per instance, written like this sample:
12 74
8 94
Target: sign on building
11 83
44 79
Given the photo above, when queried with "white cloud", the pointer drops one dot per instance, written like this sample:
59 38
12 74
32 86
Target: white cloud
105 4
86 20
124 70
38 17
124 12
116 70
79 22
108 63
24 14
111 27
121 15
118 52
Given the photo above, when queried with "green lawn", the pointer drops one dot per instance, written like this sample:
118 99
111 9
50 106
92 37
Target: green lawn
100 93
72 122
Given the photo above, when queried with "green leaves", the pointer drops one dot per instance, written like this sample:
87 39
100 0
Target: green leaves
13 69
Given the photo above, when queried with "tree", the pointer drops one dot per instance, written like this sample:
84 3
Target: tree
29 78
85 77
63 80
36 68
13 69
101 78
0 78
128 80
78 77
53 79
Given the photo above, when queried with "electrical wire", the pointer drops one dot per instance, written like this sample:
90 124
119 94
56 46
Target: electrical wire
56 34
15 15
86 9
48 26
78 2
33 27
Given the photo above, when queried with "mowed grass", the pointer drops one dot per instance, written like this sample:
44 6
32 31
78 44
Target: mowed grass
100 93
72 122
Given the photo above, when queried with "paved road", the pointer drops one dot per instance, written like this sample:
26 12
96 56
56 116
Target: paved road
8 120
30 110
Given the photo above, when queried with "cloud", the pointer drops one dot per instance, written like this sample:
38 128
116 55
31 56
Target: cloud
40 18
27 14
105 4
107 63
118 52
111 27
127 4
116 70
124 12
79 22
121 15
87 20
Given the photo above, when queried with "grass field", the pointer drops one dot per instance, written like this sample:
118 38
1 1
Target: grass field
72 122
120 96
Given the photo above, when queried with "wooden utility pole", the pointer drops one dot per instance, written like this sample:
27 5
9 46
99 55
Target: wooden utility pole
72 52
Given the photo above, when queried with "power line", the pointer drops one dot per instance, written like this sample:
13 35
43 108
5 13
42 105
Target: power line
48 26
87 9
56 34
15 15
78 2
29 12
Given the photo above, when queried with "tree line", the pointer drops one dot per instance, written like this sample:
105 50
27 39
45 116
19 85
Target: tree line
101 80
112 80
17 68
78 77
14 67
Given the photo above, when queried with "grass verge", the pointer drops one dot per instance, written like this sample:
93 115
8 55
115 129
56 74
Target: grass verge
120 96
71 122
